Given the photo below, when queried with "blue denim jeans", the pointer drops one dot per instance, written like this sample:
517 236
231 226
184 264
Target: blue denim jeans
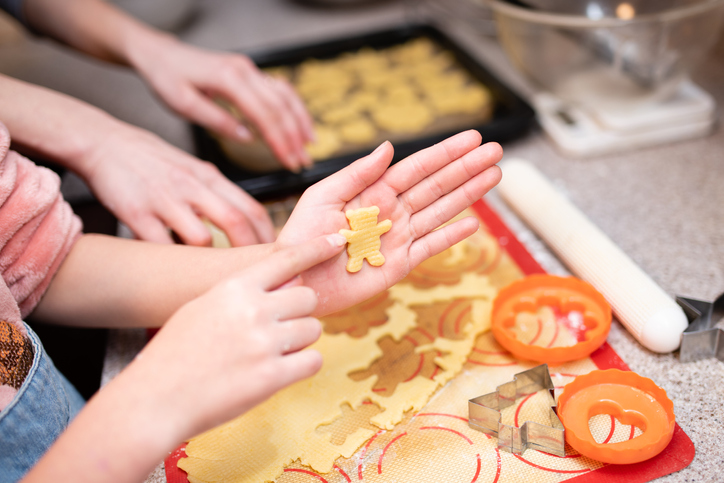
40 411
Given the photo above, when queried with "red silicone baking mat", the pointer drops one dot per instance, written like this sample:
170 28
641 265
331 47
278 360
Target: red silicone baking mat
436 444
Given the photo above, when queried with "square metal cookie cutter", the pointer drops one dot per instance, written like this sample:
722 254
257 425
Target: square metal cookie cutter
484 415
701 339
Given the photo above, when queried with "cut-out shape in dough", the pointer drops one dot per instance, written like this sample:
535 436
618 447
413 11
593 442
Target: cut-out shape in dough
349 422
356 321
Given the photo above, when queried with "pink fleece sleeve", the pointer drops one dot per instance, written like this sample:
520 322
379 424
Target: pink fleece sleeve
37 230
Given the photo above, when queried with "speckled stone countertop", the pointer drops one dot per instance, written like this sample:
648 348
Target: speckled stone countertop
663 206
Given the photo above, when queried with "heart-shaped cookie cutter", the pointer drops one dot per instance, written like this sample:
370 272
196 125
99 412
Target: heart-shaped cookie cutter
630 398
484 415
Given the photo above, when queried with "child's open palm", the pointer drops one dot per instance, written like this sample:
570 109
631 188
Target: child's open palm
418 194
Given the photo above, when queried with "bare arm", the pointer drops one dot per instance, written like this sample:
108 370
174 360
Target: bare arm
114 282
60 128
94 27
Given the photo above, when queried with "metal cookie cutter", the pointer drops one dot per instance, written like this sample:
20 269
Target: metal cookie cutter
484 415
701 339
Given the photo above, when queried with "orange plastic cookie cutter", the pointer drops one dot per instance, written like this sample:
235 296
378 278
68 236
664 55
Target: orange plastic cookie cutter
577 323
630 398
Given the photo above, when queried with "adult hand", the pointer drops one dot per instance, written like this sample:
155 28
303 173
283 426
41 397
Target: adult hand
419 194
187 78
151 186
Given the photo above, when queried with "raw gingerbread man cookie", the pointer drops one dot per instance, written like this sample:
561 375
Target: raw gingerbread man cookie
364 237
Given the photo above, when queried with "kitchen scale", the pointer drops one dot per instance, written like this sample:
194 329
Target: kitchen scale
596 127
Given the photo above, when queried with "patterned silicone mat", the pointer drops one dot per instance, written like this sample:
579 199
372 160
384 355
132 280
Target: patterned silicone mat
436 444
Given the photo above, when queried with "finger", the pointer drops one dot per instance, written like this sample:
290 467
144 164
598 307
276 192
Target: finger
205 112
246 206
451 176
353 179
440 240
266 111
450 205
294 335
413 169
227 217
293 302
186 224
296 366
149 228
299 109
275 96
254 212
294 282
285 264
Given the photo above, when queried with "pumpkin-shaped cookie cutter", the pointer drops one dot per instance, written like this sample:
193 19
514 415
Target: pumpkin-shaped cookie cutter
632 399
566 295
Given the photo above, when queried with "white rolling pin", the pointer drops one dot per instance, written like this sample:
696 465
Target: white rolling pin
650 314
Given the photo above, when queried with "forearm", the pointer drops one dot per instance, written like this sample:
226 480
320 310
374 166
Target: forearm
114 282
120 436
94 27
57 127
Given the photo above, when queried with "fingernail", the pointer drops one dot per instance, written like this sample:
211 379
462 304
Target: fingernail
337 240
379 147
243 133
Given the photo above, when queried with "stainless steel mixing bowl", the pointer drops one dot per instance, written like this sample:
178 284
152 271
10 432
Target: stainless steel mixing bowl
605 52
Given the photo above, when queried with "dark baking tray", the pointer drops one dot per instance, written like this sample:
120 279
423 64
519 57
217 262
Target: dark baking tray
512 116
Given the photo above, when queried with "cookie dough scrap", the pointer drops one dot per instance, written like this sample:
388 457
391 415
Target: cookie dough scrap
364 237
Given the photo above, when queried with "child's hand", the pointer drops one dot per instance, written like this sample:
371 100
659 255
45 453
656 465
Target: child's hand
239 343
217 357
418 194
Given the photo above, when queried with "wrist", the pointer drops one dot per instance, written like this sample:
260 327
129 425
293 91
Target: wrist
159 418
66 133
145 48
94 141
